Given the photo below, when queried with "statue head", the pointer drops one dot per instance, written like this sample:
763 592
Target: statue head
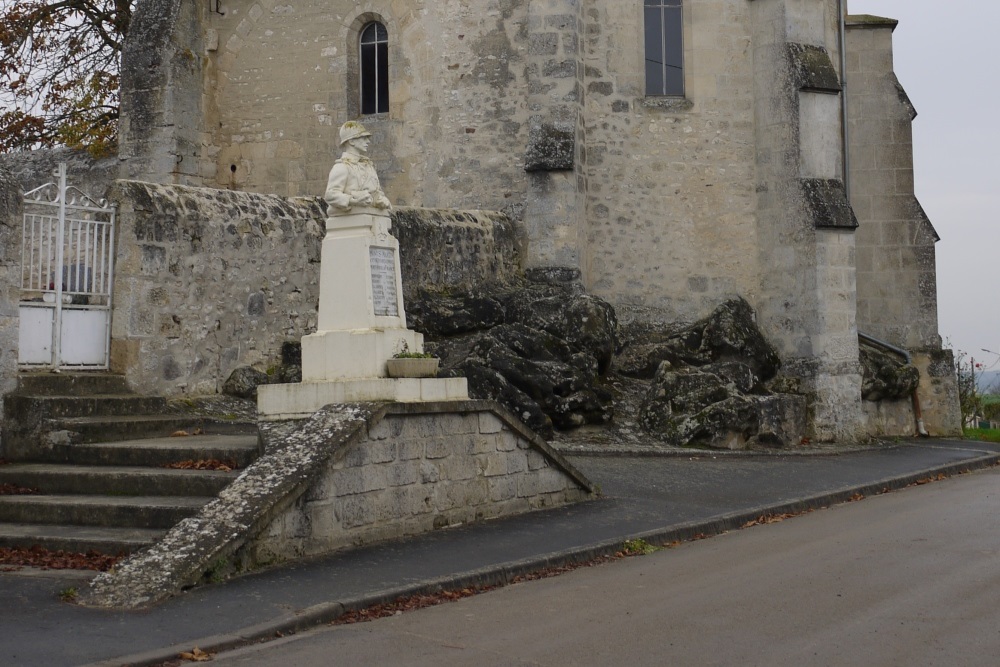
351 130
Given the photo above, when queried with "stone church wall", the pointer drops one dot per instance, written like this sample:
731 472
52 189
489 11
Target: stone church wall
278 76
674 226
468 80
897 288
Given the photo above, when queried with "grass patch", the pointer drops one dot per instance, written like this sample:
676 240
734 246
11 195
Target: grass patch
985 434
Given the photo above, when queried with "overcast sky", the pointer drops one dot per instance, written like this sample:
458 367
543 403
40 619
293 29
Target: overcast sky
945 57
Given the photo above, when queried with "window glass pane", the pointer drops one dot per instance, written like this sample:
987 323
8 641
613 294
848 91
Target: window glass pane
368 94
382 77
673 52
654 50
368 36
374 57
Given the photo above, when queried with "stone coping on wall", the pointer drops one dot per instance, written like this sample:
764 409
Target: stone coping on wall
870 21
268 487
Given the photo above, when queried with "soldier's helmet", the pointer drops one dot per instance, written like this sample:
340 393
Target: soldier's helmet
352 129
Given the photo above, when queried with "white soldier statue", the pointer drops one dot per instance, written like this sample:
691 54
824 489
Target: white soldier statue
353 186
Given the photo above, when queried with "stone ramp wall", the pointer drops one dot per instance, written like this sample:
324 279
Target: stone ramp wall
418 470
352 474
210 280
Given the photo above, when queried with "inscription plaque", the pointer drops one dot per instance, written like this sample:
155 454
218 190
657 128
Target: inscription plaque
384 298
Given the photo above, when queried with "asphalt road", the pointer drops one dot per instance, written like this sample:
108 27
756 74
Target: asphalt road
907 578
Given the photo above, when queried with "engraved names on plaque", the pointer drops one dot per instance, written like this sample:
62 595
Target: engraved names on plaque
384 298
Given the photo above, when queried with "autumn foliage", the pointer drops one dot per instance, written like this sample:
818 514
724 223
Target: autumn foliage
59 73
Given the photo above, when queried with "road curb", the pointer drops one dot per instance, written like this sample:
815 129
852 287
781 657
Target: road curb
503 574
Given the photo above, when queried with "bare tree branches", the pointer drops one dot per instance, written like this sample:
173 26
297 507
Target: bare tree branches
59 72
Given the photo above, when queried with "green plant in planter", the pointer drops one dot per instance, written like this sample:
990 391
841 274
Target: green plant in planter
405 353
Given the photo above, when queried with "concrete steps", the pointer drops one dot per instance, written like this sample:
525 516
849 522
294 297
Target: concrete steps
95 455
118 480
77 539
241 449
112 511
139 426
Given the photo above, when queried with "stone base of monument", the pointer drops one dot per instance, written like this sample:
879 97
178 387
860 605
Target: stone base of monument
295 401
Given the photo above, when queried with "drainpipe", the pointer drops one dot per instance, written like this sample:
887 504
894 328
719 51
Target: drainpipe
917 413
844 132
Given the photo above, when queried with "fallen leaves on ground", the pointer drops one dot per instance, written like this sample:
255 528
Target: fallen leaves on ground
196 655
15 490
204 464
927 480
46 559
765 519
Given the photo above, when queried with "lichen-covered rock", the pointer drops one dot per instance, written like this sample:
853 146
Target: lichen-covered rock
885 377
539 347
585 322
540 377
693 407
690 406
445 315
721 405
243 382
729 334
781 420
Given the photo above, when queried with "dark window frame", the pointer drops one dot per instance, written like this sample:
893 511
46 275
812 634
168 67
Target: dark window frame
373 69
663 28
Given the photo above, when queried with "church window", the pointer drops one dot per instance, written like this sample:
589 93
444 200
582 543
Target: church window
374 58
664 47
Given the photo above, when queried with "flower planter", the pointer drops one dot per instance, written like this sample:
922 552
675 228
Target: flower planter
412 368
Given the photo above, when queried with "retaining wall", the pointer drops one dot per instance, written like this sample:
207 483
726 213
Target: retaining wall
419 471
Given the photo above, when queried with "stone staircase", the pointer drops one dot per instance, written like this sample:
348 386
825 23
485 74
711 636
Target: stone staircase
95 452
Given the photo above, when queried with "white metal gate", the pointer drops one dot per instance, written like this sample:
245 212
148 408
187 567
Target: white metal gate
67 260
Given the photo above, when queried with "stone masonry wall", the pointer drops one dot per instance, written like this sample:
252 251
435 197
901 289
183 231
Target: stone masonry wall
413 473
162 135
468 82
897 288
938 392
209 280
10 280
32 169
671 202
282 80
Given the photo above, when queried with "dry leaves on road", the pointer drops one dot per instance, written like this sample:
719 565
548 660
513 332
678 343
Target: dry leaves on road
196 655
766 519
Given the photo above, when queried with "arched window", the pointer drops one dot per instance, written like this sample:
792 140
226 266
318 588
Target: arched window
374 59
664 47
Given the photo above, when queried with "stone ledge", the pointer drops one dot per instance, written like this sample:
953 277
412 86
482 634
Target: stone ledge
300 400
673 104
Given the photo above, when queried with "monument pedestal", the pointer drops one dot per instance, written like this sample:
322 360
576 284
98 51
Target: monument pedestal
361 325
341 355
